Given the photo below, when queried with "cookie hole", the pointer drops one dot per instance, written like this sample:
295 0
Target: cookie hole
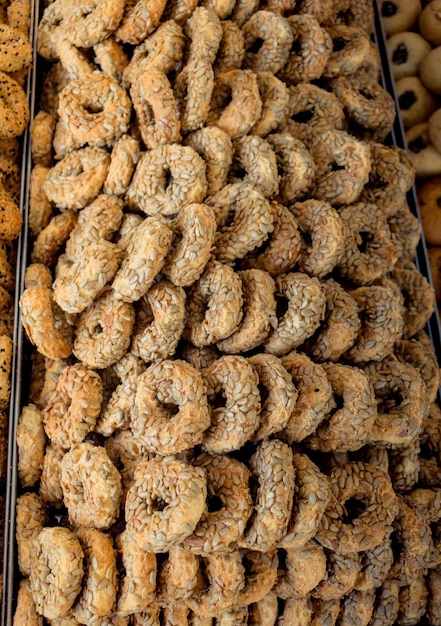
159 504
302 117
400 55
364 241
214 503
406 100
256 45
339 44
354 507
388 9
393 400
282 305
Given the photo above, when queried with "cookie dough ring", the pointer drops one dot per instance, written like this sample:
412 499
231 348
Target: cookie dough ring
368 253
367 103
52 238
399 16
91 486
137 586
45 323
219 581
42 130
305 308
77 179
51 492
254 161
140 18
103 332
75 404
145 258
99 587
195 231
11 220
160 322
269 33
193 88
307 511
404 466
244 220
214 305
303 570
340 327
160 388
88 23
280 394
204 30
55 595
405 51
273 469
420 353
153 194
25 609
233 423
176 577
275 97
366 530
231 49
343 570
123 160
380 310
350 48
279 252
401 402
323 237
419 298
375 565
179 10
322 11
31 441
216 148
30 519
49 27
311 405
343 185
165 503
295 165
236 105
259 309
156 108
218 531
309 52
347 427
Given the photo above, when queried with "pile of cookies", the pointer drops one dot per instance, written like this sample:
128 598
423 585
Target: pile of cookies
232 416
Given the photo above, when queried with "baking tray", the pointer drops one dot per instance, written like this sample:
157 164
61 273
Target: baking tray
20 378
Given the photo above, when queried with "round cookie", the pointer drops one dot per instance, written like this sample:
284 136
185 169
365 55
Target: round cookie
415 101
429 22
429 199
425 159
429 70
434 254
434 129
399 15
405 52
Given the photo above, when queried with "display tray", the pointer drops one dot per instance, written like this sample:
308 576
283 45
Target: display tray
20 379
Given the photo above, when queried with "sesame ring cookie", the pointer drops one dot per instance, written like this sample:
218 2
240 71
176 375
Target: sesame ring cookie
280 394
339 179
140 18
49 27
152 193
254 161
103 332
244 220
52 238
232 379
260 575
91 486
51 493
375 565
30 514
343 570
386 605
295 165
413 599
275 96
214 305
322 233
309 52
340 327
88 23
402 404
216 148
204 30
218 531
74 406
111 58
176 577
404 466
123 160
200 358
25 609
216 591
99 587
193 88
322 11
165 502
156 108
304 568
163 386
348 427
271 34
236 105
194 229
161 50
272 467
307 509
95 109
314 396
45 323
15 49
259 310
350 48
160 321
231 49
243 10
380 309
42 130
366 529
31 441
368 253
77 179
146 254
137 587
279 252
312 110
419 298
304 310
40 209
419 352
11 220
55 595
